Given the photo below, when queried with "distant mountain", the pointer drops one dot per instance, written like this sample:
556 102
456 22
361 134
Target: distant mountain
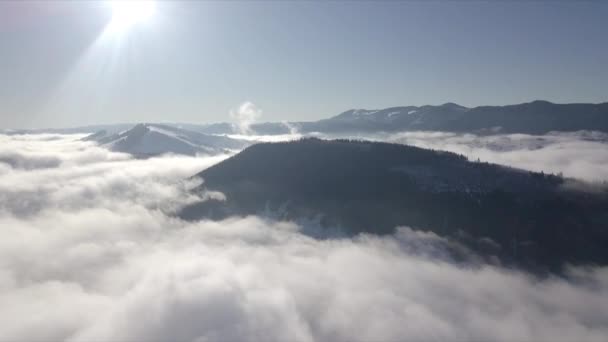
522 217
155 139
263 128
536 117
113 128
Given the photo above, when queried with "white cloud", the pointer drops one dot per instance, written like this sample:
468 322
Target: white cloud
100 258
245 115
581 155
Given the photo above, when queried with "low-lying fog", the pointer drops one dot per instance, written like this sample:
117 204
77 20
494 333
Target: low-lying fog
90 251
581 155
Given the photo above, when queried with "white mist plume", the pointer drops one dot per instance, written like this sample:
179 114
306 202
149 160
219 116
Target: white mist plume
245 115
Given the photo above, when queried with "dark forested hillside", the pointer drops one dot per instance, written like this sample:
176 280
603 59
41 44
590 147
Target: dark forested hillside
520 216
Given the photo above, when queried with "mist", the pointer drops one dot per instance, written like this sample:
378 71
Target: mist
582 155
92 250
245 115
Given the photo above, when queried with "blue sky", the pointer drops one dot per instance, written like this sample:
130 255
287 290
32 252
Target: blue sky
195 61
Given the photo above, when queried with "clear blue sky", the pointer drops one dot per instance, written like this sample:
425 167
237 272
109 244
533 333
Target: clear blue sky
195 61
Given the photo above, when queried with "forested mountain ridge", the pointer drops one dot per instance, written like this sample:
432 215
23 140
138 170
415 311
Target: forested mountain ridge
522 217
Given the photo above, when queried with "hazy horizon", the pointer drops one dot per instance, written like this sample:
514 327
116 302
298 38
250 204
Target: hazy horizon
235 121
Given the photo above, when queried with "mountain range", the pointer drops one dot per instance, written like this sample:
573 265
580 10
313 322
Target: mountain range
537 117
145 140
540 221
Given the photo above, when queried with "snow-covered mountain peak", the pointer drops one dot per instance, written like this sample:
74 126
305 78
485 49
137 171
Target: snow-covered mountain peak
155 139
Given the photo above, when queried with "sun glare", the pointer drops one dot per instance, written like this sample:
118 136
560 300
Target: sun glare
126 13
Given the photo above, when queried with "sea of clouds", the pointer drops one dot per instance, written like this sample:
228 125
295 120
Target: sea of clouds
582 154
91 251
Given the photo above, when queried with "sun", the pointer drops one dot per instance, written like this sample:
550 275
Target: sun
127 13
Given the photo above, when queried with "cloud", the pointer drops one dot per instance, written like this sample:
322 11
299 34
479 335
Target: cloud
18 161
100 257
582 155
245 115
92 176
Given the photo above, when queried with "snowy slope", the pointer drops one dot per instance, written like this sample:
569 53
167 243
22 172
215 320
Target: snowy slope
156 139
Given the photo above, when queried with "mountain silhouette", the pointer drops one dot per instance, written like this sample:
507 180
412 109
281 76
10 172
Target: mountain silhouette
525 218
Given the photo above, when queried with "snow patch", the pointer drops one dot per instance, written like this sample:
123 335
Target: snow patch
154 139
